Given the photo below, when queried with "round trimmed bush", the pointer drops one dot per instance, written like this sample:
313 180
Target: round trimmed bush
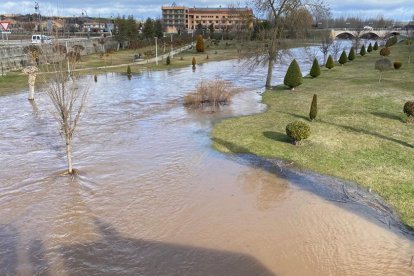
409 109
298 131
397 65
351 55
385 52
362 52
369 49
343 58
330 63
293 77
316 69
375 46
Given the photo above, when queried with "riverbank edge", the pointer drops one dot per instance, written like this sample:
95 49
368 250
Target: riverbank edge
351 195
241 149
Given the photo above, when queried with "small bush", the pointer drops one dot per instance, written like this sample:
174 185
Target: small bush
316 69
193 62
375 48
314 108
330 63
369 49
73 56
207 57
129 72
409 110
362 52
293 77
168 60
210 93
397 65
391 41
298 131
351 55
95 78
343 58
181 58
385 52
200 44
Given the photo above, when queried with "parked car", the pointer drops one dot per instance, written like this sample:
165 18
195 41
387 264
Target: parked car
38 38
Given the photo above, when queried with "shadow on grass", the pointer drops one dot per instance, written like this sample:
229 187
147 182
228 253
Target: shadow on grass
387 116
277 136
375 134
345 194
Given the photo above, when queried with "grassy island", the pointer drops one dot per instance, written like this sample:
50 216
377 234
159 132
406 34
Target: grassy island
359 134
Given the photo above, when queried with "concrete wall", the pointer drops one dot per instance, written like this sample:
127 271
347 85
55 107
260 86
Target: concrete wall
12 56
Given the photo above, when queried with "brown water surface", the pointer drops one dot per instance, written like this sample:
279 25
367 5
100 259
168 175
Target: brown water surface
153 197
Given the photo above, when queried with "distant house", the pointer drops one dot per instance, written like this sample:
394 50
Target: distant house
94 26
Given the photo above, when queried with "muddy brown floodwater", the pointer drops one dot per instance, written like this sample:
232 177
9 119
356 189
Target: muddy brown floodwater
153 197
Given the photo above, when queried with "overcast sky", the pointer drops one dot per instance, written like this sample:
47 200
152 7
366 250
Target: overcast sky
401 10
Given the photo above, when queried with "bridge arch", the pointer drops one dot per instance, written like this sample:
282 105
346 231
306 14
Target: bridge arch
370 35
391 34
345 35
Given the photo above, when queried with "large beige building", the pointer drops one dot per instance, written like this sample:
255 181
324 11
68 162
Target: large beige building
177 18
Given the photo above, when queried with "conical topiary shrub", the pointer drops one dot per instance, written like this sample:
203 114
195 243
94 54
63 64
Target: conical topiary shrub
168 60
316 69
330 63
375 46
314 108
200 44
193 62
343 58
369 49
363 51
293 77
351 55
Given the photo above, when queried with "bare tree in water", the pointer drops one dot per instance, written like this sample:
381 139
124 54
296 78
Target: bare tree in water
67 96
283 15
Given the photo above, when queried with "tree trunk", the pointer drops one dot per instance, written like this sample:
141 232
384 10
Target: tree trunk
69 156
269 74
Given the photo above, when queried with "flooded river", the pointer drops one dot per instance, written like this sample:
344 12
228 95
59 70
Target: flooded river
153 197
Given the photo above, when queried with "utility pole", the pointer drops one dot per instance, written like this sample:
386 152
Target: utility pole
67 56
156 51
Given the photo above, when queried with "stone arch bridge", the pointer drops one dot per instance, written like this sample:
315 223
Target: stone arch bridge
364 33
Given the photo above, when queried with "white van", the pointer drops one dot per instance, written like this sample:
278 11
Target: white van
37 39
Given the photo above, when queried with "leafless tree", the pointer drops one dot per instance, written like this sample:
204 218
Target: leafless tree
68 98
336 48
325 46
279 12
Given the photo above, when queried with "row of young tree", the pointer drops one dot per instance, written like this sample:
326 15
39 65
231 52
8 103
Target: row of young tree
127 29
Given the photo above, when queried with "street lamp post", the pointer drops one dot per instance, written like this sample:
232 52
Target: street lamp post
156 51
172 55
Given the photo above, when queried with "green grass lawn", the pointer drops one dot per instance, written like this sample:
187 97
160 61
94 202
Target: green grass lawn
12 82
359 135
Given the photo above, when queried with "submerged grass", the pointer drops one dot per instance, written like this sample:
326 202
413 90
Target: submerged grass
360 133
